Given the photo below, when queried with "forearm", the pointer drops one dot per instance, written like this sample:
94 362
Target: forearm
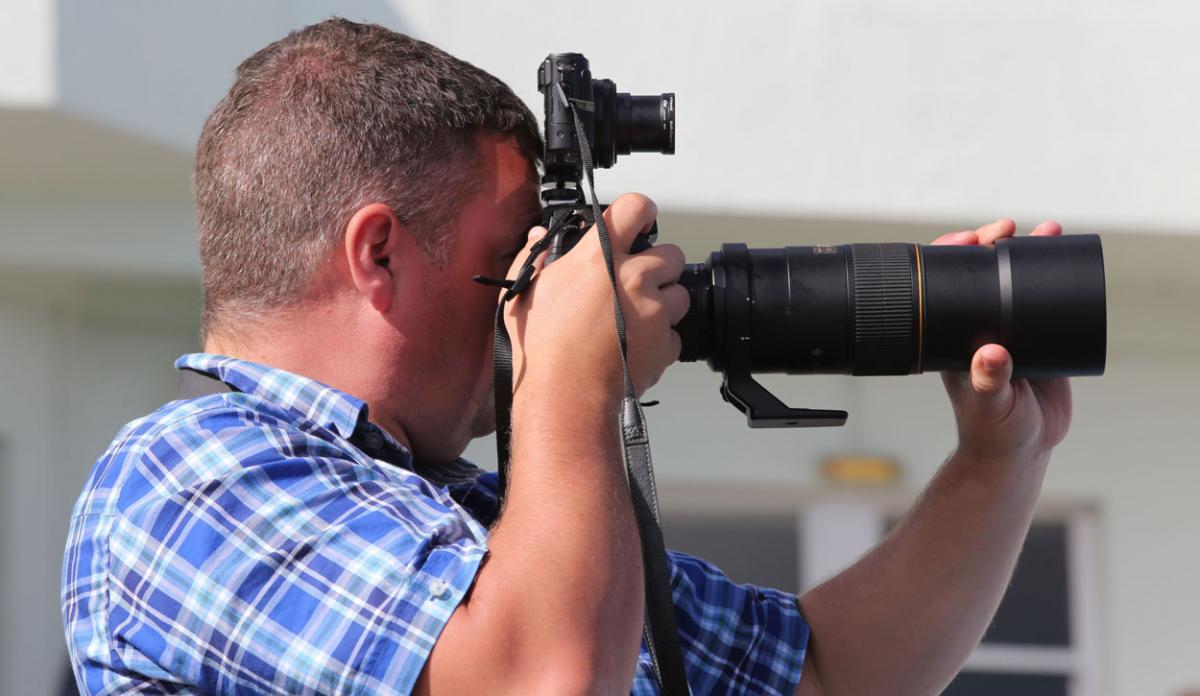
569 507
558 605
904 618
562 588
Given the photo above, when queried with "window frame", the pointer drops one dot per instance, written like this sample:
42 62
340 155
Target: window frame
836 526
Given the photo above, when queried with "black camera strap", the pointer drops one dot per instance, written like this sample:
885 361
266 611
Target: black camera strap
660 630
662 634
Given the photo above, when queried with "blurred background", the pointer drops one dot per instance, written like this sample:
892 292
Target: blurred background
799 122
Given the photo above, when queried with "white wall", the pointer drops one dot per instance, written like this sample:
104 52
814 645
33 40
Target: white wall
887 108
26 520
928 109
27 54
78 357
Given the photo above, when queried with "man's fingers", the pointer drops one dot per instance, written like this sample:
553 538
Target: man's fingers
957 238
664 263
1049 228
991 377
676 300
989 233
535 235
627 217
656 266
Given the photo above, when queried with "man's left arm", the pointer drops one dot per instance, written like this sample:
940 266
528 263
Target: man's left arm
904 618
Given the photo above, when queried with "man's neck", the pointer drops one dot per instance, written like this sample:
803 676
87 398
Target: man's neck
336 359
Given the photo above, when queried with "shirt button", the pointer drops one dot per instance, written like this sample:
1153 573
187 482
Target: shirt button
439 589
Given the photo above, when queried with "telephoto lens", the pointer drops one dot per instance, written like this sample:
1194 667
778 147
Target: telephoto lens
897 309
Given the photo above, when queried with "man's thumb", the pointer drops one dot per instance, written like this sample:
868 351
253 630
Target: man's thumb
535 235
991 376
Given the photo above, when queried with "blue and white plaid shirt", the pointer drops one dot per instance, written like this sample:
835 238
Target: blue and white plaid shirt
246 543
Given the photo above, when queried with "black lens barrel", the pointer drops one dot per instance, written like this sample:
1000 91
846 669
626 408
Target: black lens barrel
645 123
626 123
895 309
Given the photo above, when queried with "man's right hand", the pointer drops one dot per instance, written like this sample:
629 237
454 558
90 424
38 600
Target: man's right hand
558 606
564 322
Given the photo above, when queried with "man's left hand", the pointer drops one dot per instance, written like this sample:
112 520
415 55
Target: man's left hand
999 418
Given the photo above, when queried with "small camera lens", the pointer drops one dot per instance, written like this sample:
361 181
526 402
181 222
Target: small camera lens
645 123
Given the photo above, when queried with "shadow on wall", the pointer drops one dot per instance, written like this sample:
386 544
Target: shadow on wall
158 68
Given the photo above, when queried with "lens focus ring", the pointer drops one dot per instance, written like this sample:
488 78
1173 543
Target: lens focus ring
883 309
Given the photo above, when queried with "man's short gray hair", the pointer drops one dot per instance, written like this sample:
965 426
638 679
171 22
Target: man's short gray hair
330 118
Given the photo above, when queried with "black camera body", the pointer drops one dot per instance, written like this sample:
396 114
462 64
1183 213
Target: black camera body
858 309
611 123
615 123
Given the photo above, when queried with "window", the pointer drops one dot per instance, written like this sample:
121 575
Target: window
1042 640
758 549
1000 684
1035 607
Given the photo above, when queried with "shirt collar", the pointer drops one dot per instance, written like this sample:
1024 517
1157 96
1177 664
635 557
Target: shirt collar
317 402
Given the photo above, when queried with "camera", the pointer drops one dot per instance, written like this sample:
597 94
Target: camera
616 123
858 309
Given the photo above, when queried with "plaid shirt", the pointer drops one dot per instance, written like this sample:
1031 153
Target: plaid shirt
248 543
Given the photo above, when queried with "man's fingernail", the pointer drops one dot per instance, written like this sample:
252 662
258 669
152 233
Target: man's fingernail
993 363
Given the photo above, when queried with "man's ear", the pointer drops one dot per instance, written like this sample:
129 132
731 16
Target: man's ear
373 241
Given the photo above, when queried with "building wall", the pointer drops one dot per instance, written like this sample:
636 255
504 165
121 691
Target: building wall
78 358
928 109
27 52
826 121
896 109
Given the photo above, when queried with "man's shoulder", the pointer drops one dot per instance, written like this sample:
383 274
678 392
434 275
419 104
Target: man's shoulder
195 505
194 442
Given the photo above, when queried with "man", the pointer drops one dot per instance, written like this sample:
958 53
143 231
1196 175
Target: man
313 530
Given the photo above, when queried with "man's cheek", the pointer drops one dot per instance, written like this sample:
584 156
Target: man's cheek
505 266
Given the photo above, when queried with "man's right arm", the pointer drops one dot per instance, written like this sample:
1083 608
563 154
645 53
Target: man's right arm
558 605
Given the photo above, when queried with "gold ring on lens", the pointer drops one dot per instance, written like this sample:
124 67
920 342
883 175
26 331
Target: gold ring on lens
920 312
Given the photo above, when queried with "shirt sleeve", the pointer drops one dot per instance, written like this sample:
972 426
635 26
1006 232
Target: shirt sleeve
298 570
735 638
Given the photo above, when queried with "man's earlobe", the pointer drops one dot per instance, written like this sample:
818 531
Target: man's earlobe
373 237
